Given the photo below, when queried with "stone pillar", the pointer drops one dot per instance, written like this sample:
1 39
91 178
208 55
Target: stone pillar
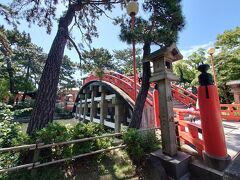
235 89
93 111
85 91
81 97
168 129
119 114
162 75
103 105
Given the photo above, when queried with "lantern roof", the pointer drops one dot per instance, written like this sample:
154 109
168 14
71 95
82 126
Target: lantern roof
171 52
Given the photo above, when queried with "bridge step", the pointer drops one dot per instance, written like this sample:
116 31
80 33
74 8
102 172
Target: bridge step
178 104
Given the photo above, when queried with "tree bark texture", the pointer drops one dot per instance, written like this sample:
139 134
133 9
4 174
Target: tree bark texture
10 74
47 90
142 95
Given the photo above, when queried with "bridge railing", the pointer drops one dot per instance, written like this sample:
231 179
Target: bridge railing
230 112
189 133
184 96
121 81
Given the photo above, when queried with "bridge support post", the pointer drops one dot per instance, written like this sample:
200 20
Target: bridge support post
81 97
119 114
85 111
93 110
103 105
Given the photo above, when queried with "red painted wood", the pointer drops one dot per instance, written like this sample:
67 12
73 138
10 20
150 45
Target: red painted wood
212 129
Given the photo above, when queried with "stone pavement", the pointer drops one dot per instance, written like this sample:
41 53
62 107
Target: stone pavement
232 136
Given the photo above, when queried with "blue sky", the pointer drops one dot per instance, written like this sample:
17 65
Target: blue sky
205 19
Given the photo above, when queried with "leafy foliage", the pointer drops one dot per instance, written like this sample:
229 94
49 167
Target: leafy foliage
124 61
161 28
97 60
187 71
83 130
226 64
54 133
10 135
139 144
227 61
67 71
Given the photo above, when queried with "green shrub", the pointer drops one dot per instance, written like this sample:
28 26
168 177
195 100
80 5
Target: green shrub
139 144
5 112
54 133
10 132
10 135
28 103
83 130
26 112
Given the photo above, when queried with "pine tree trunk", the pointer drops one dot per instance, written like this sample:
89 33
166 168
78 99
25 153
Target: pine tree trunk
142 95
47 91
11 78
11 81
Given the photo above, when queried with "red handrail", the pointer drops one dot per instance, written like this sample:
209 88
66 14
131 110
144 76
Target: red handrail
188 132
122 82
230 112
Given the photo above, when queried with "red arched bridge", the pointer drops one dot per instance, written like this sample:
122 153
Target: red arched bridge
109 101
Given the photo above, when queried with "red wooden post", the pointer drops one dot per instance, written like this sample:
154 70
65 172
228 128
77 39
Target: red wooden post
215 153
213 133
156 108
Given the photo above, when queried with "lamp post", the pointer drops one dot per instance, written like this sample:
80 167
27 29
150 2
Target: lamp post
132 10
211 52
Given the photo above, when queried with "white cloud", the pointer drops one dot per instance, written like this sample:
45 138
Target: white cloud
194 48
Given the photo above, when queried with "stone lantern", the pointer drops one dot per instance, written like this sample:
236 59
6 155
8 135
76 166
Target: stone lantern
163 75
162 60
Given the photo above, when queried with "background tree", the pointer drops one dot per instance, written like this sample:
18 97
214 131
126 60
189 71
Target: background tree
227 61
18 65
97 60
161 28
124 62
22 62
84 13
68 69
187 71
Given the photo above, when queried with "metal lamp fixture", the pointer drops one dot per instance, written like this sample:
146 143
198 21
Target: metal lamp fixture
211 52
132 8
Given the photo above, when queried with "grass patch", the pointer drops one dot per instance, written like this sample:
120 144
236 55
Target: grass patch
69 123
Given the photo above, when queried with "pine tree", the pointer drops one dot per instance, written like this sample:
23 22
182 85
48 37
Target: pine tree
161 28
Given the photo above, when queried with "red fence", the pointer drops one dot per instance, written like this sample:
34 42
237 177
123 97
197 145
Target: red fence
189 133
230 112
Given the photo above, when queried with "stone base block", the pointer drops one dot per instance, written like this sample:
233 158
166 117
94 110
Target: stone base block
200 171
216 163
232 172
177 166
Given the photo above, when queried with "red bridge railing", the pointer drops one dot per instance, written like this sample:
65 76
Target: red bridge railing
189 133
228 111
122 82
